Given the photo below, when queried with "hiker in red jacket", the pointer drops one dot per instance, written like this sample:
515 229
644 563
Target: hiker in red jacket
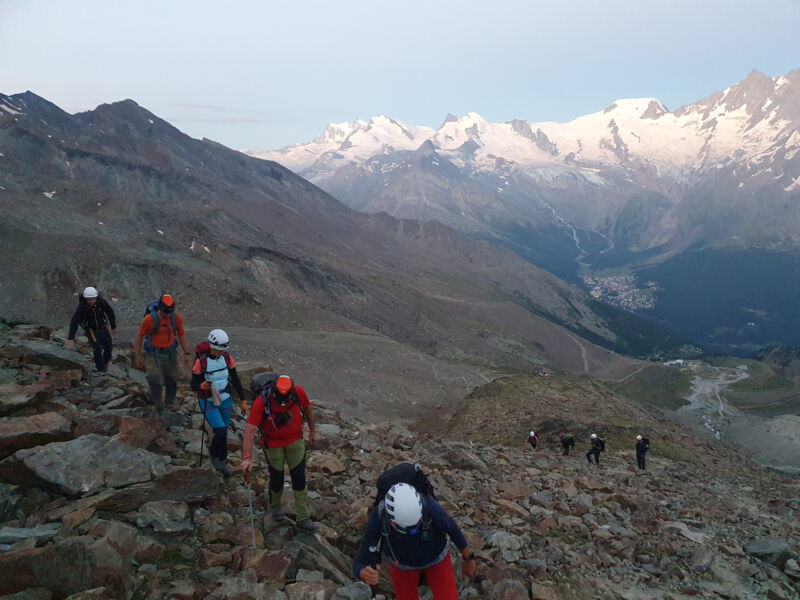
278 412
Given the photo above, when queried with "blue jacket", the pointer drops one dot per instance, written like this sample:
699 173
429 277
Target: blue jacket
419 550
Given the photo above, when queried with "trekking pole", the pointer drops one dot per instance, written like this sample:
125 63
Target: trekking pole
250 506
203 433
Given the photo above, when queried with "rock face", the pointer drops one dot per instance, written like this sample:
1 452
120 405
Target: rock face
14 397
27 432
775 551
67 568
82 466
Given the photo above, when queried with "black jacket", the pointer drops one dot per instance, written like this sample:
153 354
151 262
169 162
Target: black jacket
642 447
92 318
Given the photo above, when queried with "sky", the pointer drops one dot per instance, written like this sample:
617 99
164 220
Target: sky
263 74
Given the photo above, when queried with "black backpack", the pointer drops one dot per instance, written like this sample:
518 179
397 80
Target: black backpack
403 473
261 384
602 444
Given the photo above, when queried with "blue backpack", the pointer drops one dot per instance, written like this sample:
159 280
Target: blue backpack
152 310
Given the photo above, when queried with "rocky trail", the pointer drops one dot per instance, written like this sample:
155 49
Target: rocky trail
99 500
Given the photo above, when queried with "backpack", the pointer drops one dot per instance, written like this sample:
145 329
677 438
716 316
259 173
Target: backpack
152 310
602 444
570 441
201 353
403 473
261 384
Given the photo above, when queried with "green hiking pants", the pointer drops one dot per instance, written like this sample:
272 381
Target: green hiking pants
294 456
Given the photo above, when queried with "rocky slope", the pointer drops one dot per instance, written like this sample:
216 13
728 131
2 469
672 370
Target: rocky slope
98 500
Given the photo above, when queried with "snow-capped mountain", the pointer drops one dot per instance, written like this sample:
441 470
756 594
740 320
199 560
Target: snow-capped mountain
582 173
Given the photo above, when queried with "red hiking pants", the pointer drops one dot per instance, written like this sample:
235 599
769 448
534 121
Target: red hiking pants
440 577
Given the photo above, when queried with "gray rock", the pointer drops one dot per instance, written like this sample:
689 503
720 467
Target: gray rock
40 352
774 551
509 545
356 590
165 515
17 433
792 569
66 568
462 459
82 466
14 397
182 484
12 535
702 559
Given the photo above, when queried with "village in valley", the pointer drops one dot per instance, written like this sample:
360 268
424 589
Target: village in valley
622 291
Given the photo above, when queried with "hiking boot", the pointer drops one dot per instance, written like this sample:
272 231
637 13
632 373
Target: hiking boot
278 514
307 525
220 465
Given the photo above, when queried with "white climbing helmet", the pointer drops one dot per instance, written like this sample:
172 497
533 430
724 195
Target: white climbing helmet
218 339
90 292
403 505
593 436
638 438
533 433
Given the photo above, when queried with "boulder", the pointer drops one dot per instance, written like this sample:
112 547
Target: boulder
14 397
270 567
40 533
40 352
509 545
774 551
66 568
355 590
311 590
167 516
182 484
82 466
17 433
462 459
123 537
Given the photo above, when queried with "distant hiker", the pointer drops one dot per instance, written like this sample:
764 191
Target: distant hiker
278 412
598 446
533 440
97 319
415 532
213 376
567 442
642 446
159 334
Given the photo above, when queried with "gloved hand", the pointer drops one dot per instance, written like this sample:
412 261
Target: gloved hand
205 386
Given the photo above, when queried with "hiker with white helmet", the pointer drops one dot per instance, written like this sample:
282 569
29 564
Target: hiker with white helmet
214 376
533 439
598 446
415 532
642 446
97 319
